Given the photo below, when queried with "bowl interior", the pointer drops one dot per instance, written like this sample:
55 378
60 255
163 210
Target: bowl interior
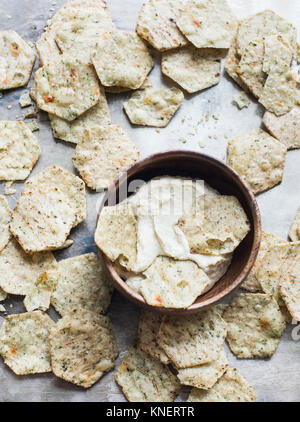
226 181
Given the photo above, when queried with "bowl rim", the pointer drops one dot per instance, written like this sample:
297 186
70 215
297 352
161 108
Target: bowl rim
135 297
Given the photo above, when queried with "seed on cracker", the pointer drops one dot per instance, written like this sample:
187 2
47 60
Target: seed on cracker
200 16
24 343
192 68
102 154
16 60
285 128
258 158
153 106
122 59
194 339
82 347
255 325
231 387
157 24
145 379
19 150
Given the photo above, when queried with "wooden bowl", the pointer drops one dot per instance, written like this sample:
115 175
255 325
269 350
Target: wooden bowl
219 176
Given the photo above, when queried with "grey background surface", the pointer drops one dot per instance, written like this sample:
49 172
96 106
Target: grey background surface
274 379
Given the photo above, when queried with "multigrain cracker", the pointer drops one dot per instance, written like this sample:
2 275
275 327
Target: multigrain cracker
16 60
42 220
172 283
81 281
73 131
82 347
72 186
5 219
194 339
278 54
145 379
116 234
153 106
231 63
255 325
147 335
157 24
19 271
38 297
67 87
102 154
46 47
285 128
252 283
294 233
204 376
19 150
192 68
289 287
122 59
208 23
219 229
258 158
231 387
250 68
278 94
262 25
277 265
24 342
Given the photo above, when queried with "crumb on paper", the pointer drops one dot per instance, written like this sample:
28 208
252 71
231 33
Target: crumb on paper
2 309
157 130
8 190
33 126
31 113
182 140
241 100
216 116
9 107
201 144
25 100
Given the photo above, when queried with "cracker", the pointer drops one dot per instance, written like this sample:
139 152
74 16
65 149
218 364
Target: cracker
16 60
72 186
219 229
278 54
192 68
116 234
172 283
153 106
42 220
38 297
3 295
285 128
255 325
19 150
294 233
102 154
145 379
200 16
5 219
278 95
252 283
67 87
204 376
262 25
157 24
289 287
82 347
81 281
122 59
258 158
194 339
147 335
73 131
25 100
277 265
241 100
24 342
47 48
231 64
231 387
19 271
250 68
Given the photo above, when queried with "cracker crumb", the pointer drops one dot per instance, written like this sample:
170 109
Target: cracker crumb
8 190
201 144
25 100
31 113
241 100
33 126
9 107
183 140
2 309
